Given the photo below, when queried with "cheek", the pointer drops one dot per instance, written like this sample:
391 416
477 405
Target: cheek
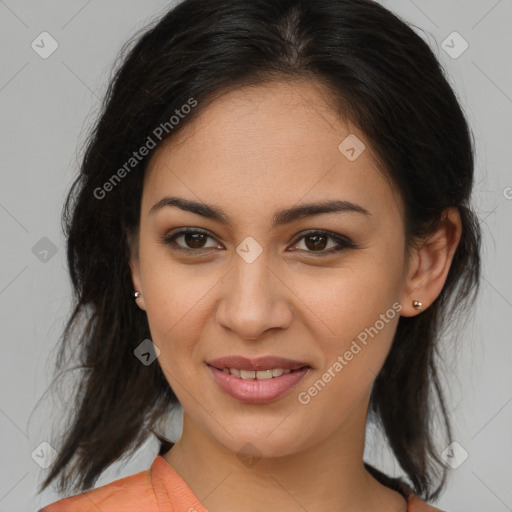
351 364
175 297
359 309
350 299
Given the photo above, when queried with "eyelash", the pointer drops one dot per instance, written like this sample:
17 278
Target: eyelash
343 242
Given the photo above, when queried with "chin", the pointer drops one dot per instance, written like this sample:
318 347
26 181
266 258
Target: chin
265 445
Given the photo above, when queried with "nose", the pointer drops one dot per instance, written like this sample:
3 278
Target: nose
255 299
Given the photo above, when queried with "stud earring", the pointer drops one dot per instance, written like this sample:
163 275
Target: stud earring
416 304
137 295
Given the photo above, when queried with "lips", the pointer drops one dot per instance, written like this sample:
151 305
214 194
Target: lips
256 391
256 364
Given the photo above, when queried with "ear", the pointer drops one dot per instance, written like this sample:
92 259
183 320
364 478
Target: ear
430 262
133 245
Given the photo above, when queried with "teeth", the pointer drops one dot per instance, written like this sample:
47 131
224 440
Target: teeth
252 374
264 374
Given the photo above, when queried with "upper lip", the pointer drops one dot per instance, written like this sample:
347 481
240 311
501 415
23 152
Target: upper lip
255 364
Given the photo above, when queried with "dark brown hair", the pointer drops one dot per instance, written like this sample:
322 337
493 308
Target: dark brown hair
386 80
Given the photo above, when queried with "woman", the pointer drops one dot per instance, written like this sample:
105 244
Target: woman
283 186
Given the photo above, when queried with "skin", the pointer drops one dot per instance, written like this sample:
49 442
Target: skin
251 152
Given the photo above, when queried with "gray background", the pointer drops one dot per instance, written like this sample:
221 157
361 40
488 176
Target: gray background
47 106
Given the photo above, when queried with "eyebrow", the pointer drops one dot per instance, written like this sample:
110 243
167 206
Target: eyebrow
281 217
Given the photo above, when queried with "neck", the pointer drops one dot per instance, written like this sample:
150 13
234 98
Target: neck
328 475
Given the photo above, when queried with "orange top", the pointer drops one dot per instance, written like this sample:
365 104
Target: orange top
158 489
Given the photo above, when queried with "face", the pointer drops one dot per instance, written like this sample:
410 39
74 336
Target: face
322 289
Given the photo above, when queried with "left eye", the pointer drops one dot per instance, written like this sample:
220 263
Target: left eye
314 241
318 240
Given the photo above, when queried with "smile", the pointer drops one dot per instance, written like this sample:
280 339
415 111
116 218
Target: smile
260 386
260 374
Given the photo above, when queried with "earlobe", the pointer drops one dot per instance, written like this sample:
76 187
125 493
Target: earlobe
139 299
430 264
135 271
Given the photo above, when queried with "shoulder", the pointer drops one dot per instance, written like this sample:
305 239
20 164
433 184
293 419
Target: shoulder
415 504
131 493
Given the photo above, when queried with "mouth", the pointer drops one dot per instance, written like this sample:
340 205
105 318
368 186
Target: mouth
254 390
264 367
260 380
267 374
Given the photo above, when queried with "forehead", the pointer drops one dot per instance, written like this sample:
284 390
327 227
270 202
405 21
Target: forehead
268 146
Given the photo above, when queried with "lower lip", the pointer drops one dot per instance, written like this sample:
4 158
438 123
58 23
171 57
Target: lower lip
257 391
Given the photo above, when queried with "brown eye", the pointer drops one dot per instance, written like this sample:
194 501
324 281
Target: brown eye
318 242
193 240
315 242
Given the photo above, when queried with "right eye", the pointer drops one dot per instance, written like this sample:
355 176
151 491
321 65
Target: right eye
193 240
